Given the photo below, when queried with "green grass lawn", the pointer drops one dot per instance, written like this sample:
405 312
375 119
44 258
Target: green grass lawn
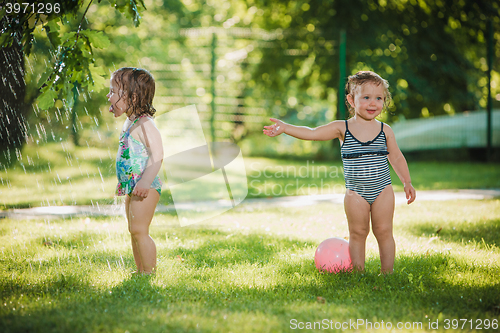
61 174
252 270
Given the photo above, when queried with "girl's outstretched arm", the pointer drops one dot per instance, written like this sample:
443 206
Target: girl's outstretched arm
326 132
399 164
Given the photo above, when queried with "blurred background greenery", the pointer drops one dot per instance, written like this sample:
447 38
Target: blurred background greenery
243 61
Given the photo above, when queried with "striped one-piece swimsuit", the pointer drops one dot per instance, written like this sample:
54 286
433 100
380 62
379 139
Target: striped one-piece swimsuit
366 170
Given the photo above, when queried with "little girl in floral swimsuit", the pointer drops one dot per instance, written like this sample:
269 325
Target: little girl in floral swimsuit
139 158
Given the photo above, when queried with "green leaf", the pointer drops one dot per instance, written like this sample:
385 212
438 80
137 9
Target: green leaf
97 76
97 38
97 70
84 48
27 40
5 40
68 37
52 31
46 99
77 76
45 76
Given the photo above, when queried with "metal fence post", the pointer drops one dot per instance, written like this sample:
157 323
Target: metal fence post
342 75
74 126
489 106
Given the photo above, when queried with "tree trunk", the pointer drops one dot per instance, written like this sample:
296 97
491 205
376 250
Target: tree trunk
13 110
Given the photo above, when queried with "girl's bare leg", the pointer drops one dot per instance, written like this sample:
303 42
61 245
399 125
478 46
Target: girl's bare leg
135 250
140 213
357 211
382 212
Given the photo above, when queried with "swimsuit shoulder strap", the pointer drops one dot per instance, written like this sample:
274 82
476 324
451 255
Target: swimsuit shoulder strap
136 120
381 126
346 130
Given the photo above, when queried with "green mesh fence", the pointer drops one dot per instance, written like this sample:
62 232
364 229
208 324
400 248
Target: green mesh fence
464 130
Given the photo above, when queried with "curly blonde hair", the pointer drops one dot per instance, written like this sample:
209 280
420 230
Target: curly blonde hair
137 86
357 80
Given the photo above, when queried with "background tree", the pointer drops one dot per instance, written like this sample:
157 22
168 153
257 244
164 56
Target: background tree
431 51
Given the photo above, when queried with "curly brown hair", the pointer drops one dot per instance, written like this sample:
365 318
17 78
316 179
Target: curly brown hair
137 86
357 80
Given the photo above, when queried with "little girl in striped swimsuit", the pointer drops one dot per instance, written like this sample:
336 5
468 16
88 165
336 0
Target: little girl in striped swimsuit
366 145
139 158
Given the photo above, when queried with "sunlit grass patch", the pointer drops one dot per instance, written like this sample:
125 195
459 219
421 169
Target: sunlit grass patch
474 225
58 174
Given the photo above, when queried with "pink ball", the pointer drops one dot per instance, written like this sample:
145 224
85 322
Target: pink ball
332 256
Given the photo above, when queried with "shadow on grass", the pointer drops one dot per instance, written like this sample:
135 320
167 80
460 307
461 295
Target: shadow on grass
53 285
421 285
483 233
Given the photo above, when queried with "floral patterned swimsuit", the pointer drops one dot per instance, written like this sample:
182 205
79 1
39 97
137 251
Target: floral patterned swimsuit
131 162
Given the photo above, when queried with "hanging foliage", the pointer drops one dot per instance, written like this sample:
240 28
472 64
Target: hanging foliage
73 51
71 47
432 52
